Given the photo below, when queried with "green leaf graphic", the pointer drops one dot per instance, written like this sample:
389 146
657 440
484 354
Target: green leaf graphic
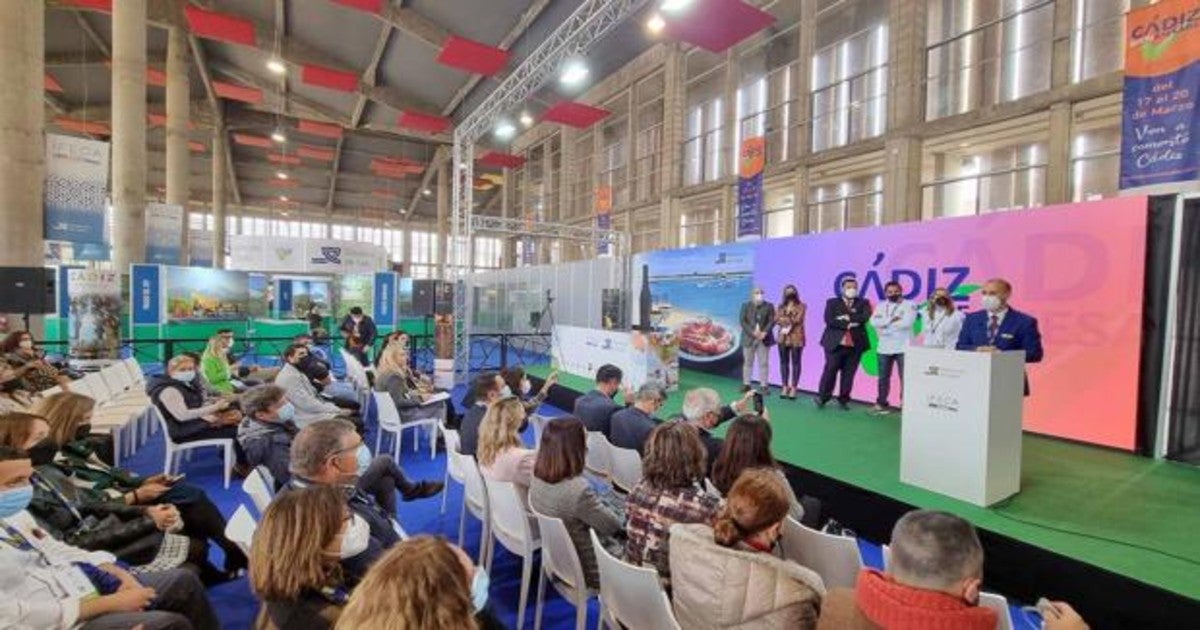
1153 51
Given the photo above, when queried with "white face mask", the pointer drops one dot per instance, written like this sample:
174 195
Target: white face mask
356 539
850 292
992 303
758 298
185 376
26 344
526 387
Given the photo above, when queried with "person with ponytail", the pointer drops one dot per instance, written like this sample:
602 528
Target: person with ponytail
728 576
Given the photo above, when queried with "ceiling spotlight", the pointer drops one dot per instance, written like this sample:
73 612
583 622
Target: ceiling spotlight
276 66
283 198
655 24
505 130
278 136
427 192
573 73
401 210
526 119
675 6
284 213
281 175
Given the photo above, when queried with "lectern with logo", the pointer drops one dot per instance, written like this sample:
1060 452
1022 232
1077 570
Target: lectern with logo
961 426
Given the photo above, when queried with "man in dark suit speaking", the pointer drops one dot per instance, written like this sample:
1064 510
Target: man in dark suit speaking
998 328
844 341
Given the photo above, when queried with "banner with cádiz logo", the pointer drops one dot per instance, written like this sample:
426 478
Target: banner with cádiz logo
76 189
94 313
1162 76
750 188
300 255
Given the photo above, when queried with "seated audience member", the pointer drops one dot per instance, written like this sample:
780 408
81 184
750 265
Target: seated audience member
747 446
596 407
50 584
670 492
703 409
933 581
13 395
423 582
395 377
518 383
301 393
560 490
502 456
397 337
726 576
297 577
215 364
487 388
141 536
189 415
69 415
317 367
632 425
30 364
248 375
267 429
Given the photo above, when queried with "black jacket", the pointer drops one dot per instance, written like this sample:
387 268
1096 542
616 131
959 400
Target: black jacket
192 395
596 410
123 530
760 316
839 316
631 428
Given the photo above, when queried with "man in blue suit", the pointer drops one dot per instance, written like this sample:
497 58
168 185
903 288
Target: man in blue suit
998 328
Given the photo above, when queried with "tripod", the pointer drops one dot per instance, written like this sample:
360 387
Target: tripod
547 315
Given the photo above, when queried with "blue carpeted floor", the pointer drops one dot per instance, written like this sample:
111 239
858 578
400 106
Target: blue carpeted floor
237 607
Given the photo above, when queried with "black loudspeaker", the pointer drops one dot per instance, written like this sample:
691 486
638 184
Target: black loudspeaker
424 297
27 290
444 298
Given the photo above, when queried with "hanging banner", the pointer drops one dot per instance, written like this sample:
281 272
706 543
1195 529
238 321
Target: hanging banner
604 205
200 248
146 281
385 299
95 314
305 255
752 162
1162 74
164 233
283 292
76 189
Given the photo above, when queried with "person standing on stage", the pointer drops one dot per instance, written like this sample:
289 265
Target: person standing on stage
359 331
757 318
893 321
790 319
998 328
844 341
943 321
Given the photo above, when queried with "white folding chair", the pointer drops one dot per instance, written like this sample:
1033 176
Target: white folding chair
172 448
453 466
998 603
475 500
240 528
834 558
260 490
598 456
356 373
82 386
711 489
562 567
513 528
626 467
631 596
136 375
391 418
538 422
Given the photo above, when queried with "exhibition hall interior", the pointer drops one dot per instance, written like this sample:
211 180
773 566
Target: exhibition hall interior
644 314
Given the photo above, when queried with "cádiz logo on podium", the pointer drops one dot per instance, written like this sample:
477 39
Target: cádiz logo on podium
937 370
944 402
329 256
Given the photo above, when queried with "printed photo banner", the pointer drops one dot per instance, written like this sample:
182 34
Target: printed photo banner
164 233
200 248
1160 120
197 294
76 192
94 315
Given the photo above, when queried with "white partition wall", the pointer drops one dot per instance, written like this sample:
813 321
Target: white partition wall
505 299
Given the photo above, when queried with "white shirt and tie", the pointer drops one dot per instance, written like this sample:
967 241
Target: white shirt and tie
894 323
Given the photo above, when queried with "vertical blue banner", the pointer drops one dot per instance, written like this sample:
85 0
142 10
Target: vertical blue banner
146 288
76 189
385 299
283 297
750 187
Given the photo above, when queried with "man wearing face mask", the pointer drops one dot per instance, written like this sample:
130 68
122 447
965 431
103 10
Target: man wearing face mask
301 392
632 425
359 331
190 417
487 388
844 341
893 321
267 430
999 328
757 319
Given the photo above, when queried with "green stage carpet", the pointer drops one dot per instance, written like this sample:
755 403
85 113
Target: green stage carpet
1131 515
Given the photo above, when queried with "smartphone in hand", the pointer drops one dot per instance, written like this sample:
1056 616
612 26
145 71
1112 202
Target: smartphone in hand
758 403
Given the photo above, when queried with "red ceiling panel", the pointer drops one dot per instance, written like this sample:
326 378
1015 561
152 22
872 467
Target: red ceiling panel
472 56
370 6
98 5
427 123
501 160
156 120
220 26
315 153
284 183
251 140
320 129
715 25
235 92
279 158
330 78
50 84
384 194
198 147
83 126
575 114
157 77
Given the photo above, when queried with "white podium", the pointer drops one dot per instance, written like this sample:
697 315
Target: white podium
961 426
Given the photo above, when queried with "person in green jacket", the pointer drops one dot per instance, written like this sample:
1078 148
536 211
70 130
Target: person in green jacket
214 364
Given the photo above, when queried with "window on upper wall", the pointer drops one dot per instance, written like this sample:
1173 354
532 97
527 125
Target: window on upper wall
1096 148
487 252
613 161
779 208
852 200
704 126
984 52
989 169
645 231
766 99
849 73
583 188
1098 36
700 221
647 140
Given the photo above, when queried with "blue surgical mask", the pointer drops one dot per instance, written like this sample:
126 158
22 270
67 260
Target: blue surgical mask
479 589
14 500
287 412
185 376
363 459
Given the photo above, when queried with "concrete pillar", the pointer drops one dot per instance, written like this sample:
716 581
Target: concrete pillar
800 198
178 155
902 180
1058 160
673 119
22 147
506 242
443 216
219 185
129 133
1060 53
906 62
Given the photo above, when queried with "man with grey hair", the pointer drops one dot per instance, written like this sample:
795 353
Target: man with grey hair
266 430
631 426
702 407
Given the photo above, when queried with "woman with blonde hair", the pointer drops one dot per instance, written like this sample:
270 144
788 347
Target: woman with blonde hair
718 568
395 377
423 582
295 567
502 456
214 365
